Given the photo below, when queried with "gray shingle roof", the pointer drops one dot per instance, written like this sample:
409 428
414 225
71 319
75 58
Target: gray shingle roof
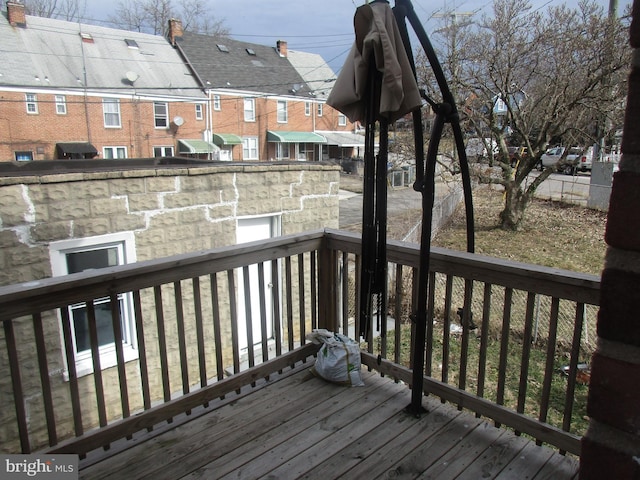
315 71
231 64
50 53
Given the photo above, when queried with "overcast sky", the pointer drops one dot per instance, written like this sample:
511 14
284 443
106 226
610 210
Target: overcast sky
319 26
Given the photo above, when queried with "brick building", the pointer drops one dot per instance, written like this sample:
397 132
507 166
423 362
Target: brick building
611 446
72 90
266 102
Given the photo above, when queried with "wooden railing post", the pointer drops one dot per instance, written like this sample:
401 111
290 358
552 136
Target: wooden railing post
327 288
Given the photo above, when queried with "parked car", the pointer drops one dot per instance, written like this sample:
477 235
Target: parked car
578 158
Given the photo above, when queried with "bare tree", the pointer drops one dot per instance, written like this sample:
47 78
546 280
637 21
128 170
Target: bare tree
530 77
152 16
195 18
130 15
71 10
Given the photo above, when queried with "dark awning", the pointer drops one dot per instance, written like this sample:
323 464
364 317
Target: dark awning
76 150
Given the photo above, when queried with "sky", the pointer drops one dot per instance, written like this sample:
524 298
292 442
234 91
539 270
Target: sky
324 27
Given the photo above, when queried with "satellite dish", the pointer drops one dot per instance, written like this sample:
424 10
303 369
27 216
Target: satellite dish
132 76
178 121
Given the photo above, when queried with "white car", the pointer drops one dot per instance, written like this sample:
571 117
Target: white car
578 158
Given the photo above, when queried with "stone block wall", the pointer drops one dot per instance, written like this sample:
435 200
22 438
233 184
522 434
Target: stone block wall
169 211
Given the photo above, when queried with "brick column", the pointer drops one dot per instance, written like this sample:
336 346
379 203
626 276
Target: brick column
611 446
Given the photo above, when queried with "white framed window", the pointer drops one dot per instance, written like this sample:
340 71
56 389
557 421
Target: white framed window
24 156
114 152
249 110
282 111
61 104
31 100
78 255
307 109
283 151
342 120
162 152
217 105
199 111
161 114
250 148
111 111
320 109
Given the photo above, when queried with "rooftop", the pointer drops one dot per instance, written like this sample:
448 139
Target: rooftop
50 53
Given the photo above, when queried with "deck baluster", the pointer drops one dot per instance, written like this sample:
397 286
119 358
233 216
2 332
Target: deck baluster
43 367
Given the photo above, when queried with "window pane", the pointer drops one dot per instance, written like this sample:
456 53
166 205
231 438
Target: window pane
282 111
61 104
111 109
24 156
32 105
249 110
103 324
160 114
92 259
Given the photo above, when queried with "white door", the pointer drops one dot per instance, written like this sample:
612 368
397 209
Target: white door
249 230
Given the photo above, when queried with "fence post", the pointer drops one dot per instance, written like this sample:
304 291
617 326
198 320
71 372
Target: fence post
327 288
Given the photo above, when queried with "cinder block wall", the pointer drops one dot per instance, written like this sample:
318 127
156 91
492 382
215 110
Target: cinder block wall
611 446
171 211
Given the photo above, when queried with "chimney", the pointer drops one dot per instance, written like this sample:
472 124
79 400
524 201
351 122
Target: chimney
16 14
281 46
175 30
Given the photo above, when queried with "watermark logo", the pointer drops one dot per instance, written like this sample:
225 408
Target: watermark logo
50 467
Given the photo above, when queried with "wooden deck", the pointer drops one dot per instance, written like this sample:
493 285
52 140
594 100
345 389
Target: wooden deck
303 427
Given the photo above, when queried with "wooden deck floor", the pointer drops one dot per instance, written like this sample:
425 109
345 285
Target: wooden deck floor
303 427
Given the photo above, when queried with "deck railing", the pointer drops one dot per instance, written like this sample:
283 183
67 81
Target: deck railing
186 323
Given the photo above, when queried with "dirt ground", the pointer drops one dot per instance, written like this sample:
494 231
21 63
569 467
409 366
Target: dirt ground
554 234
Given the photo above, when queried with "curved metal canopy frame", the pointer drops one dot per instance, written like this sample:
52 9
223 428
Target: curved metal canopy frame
373 273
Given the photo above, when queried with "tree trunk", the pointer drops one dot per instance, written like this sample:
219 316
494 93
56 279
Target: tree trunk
515 204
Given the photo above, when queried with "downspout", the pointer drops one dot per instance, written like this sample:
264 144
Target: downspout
205 90
84 85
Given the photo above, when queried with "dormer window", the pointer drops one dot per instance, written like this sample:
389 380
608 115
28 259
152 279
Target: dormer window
222 48
131 43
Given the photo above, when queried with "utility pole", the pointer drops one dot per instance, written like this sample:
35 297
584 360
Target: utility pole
452 24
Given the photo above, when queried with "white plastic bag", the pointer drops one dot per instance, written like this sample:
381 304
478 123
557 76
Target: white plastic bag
338 359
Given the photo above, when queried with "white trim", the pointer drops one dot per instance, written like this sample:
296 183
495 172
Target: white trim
125 241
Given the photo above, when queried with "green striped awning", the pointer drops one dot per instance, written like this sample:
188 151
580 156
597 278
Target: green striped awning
226 139
294 137
196 146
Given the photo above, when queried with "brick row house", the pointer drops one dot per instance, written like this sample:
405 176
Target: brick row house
71 90
267 102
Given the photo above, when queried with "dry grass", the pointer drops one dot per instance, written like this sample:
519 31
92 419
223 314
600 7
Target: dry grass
554 234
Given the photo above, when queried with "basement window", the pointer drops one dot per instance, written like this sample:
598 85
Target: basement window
92 253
